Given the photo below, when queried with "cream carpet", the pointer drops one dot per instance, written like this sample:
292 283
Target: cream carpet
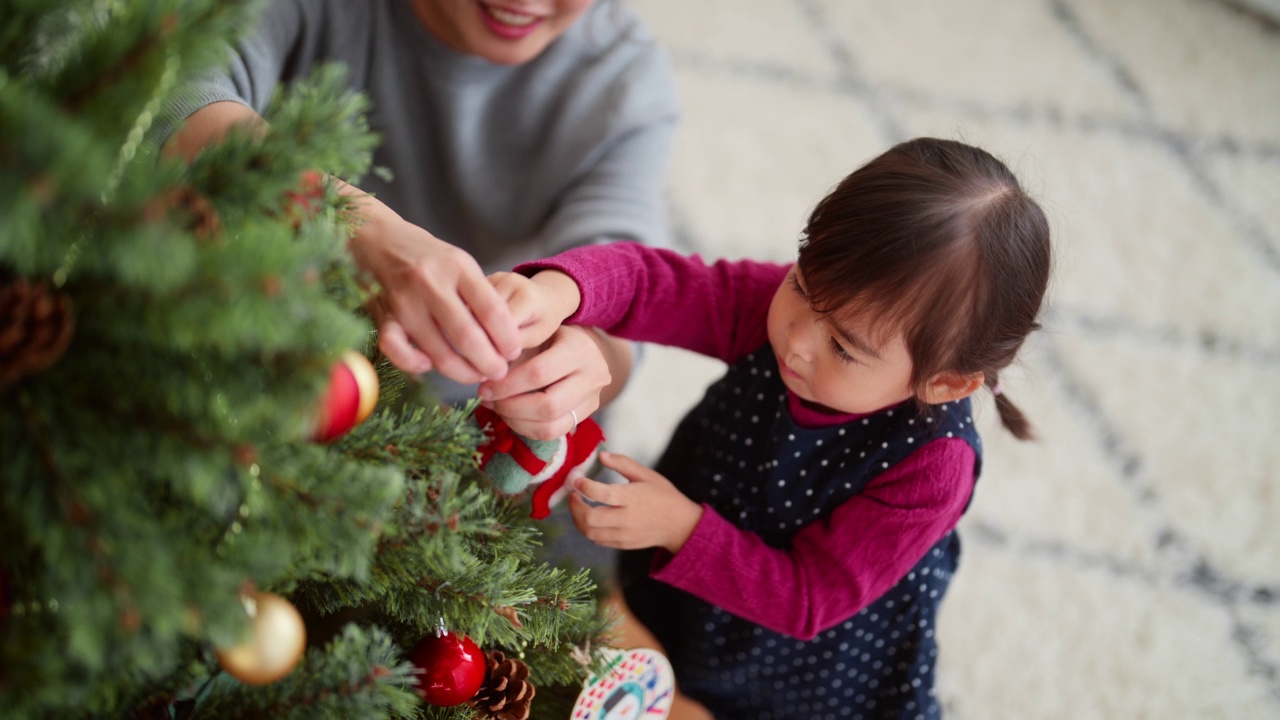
1128 564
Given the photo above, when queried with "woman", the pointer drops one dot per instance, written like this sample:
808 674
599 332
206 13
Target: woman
512 130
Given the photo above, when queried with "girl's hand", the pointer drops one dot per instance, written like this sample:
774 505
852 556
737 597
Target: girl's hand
648 512
539 303
537 395
436 309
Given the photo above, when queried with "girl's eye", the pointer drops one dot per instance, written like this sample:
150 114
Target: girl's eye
795 285
841 353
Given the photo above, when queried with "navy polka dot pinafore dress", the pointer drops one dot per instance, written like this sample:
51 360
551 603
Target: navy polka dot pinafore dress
740 451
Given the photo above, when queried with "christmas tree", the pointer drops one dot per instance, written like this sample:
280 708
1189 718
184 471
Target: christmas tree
173 518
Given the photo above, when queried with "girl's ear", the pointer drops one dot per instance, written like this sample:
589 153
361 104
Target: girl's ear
950 386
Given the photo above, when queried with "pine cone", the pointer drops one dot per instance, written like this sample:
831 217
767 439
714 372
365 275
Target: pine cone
506 692
35 328
201 217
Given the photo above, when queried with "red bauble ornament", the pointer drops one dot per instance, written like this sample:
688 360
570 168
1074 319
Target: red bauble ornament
349 399
305 201
452 668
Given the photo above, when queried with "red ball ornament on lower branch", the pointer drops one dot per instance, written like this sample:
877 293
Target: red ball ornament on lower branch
349 399
452 668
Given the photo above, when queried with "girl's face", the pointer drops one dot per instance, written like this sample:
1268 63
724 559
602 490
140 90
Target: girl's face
848 368
506 32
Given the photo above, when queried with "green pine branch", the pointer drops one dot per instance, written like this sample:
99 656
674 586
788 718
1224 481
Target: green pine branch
162 465
360 674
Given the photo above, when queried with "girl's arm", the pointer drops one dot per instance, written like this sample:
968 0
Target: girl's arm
661 296
834 568
617 195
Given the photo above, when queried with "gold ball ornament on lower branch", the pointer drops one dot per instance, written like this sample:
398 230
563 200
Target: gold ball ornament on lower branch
275 644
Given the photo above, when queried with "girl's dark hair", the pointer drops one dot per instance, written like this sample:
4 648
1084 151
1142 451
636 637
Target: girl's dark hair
937 239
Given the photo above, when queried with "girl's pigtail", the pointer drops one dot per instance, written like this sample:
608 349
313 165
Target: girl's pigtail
1010 415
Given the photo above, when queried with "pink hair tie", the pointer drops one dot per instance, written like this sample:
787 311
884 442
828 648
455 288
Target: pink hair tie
997 389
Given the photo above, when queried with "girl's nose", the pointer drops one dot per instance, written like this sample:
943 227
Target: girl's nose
801 339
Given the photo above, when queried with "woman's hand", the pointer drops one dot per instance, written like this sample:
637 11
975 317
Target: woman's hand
647 512
543 392
436 309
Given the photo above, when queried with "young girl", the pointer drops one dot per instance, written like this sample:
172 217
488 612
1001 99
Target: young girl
792 547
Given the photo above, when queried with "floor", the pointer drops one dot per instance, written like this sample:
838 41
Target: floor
1127 565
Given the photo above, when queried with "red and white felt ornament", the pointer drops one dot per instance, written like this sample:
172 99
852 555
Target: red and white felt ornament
513 462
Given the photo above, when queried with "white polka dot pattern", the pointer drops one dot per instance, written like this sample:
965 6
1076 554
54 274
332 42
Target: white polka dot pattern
740 451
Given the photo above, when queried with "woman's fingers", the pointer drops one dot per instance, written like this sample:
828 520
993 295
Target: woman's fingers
394 343
422 331
490 310
539 396
444 305
552 411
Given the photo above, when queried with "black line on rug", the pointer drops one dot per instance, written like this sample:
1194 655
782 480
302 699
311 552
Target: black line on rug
1113 446
1201 578
849 78
1249 11
1251 231
1205 340
1027 114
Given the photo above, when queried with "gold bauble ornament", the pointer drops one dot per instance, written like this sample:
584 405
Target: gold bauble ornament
277 640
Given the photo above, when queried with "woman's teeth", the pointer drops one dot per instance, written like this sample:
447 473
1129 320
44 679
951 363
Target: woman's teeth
510 18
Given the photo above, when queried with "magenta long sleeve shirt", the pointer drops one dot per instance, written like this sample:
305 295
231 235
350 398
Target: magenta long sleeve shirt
834 567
